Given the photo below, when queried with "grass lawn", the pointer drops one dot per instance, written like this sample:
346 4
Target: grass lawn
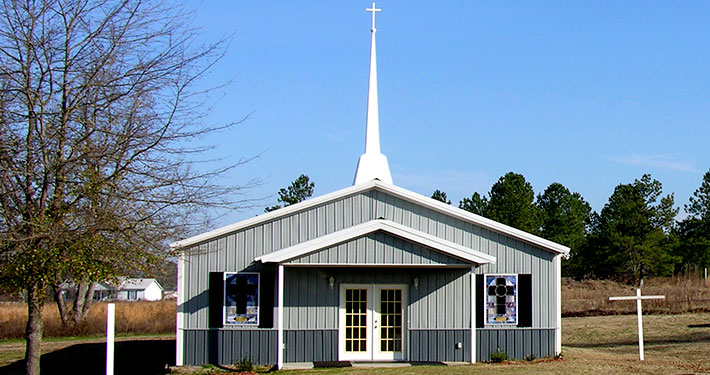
603 345
87 355
675 344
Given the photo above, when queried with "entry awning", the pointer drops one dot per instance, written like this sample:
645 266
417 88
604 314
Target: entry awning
423 239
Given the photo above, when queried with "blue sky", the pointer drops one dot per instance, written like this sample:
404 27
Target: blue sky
590 94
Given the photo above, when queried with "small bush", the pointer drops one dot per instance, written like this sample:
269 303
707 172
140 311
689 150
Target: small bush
244 365
498 356
530 357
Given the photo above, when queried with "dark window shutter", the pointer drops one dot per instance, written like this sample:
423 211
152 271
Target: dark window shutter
480 301
216 299
266 303
525 300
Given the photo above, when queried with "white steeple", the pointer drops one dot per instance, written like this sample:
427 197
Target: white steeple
372 164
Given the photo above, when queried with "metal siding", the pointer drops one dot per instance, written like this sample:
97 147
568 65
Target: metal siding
516 343
235 252
439 345
311 345
378 248
231 346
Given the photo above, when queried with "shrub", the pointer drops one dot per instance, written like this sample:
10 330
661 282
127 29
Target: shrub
244 365
498 356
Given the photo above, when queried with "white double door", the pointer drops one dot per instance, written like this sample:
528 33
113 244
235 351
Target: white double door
372 321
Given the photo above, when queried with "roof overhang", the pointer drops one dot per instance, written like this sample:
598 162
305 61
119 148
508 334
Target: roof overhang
446 247
402 193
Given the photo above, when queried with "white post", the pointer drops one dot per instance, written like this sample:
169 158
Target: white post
557 265
280 320
638 313
706 274
110 328
473 314
180 323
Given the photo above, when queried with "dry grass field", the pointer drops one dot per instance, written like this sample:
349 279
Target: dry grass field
131 318
591 297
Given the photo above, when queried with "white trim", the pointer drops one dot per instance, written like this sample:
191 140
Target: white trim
391 227
557 267
391 189
180 323
473 314
280 320
376 265
284 211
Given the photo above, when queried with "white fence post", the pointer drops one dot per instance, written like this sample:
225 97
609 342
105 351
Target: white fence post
110 329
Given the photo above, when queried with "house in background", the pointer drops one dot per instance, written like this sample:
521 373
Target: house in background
129 289
372 272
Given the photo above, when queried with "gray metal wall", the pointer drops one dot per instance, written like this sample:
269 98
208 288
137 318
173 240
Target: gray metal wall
229 346
310 304
378 248
517 343
236 251
315 345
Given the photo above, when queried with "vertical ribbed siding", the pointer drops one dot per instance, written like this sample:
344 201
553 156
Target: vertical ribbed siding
230 346
378 248
439 345
311 345
236 251
315 306
516 343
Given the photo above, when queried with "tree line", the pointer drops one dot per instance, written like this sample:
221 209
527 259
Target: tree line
636 233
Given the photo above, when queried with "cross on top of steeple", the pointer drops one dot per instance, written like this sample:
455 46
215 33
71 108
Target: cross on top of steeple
373 10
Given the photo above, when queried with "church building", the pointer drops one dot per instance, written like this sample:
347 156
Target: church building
369 273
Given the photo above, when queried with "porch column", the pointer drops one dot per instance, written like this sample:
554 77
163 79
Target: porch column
280 319
473 314
557 266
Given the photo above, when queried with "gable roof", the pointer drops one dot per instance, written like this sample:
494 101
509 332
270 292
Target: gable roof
396 191
128 283
425 239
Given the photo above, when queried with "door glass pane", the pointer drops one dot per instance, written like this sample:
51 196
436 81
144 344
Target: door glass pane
391 317
355 320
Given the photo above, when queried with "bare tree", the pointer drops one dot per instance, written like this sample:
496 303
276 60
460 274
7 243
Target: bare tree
98 118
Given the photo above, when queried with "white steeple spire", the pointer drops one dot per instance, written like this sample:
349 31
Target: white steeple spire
372 164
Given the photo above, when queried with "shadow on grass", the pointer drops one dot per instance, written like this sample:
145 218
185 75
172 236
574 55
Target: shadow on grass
689 339
139 357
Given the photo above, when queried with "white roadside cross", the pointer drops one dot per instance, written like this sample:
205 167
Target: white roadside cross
638 297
